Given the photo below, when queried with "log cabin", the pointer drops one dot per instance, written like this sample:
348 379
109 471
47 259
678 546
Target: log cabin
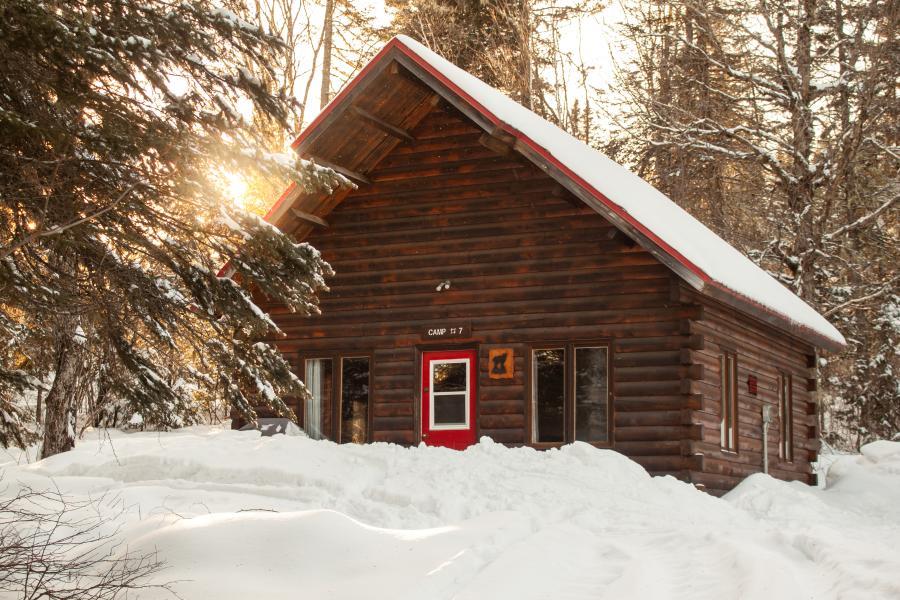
497 277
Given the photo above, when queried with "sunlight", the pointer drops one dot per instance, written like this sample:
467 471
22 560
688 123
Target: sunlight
235 188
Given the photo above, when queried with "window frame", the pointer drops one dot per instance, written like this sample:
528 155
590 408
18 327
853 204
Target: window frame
728 394
569 408
327 404
339 394
336 403
786 409
468 392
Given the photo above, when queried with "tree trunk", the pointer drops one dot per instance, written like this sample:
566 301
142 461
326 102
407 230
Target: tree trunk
325 95
62 400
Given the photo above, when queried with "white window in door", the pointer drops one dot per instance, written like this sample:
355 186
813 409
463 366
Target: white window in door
449 394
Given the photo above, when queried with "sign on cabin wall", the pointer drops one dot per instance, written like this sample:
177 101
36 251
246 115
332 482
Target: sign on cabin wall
501 363
449 330
752 385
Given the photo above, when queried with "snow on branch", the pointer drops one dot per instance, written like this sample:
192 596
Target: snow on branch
864 220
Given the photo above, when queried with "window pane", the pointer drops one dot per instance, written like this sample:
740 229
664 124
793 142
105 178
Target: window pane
787 419
729 377
591 395
449 377
354 400
549 392
319 383
725 409
450 409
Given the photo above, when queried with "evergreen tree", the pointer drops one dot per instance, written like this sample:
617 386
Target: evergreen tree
115 117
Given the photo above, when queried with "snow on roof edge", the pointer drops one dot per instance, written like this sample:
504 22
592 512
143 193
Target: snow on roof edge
614 184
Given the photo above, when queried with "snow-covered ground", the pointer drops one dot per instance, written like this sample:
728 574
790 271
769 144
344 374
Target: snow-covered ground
235 515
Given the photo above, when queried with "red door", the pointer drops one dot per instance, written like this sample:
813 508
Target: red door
448 398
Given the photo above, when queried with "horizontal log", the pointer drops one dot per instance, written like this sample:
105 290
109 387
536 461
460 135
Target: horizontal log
513 393
402 437
504 436
392 423
652 358
500 407
482 270
402 160
502 289
648 403
497 240
680 432
388 224
649 388
394 409
439 145
625 337
355 210
519 179
333 237
652 418
424 170
492 422
621 309
658 373
603 323
656 448
669 464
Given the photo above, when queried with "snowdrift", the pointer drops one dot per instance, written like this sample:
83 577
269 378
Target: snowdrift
236 515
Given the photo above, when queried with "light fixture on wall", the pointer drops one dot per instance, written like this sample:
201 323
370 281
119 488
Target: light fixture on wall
443 286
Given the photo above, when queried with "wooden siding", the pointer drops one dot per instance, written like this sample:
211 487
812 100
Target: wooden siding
764 353
528 264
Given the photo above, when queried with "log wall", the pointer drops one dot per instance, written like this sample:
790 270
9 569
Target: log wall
764 353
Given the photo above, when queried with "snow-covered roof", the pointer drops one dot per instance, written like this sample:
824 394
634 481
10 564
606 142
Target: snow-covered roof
713 262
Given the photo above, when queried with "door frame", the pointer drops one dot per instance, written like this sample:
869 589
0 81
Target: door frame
421 349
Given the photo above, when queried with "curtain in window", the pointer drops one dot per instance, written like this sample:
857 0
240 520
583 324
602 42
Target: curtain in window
317 378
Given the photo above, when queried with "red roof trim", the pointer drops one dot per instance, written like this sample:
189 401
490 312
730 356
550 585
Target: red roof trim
344 92
281 200
321 117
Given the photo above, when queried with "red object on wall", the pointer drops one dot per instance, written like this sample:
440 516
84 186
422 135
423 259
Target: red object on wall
448 398
752 386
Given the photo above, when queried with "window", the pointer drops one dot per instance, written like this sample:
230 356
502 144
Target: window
786 414
729 409
591 397
319 381
549 382
339 404
355 399
570 394
449 394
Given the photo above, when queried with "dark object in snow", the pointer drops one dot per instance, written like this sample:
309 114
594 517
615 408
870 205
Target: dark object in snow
273 426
